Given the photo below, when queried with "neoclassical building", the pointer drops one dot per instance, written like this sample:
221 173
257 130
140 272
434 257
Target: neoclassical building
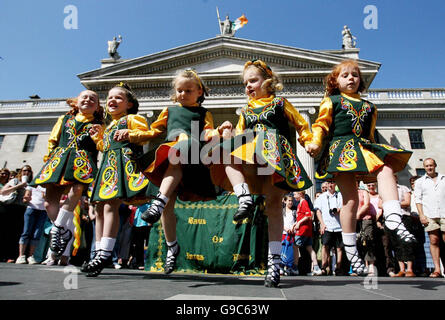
410 118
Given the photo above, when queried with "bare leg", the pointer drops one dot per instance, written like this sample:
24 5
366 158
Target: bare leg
111 218
348 219
169 184
387 184
52 200
171 180
274 213
73 197
168 219
346 184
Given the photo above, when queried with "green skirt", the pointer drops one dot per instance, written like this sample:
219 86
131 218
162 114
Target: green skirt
67 165
271 153
360 156
119 177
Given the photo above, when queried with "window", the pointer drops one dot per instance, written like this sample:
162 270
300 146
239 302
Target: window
420 172
2 137
30 143
416 139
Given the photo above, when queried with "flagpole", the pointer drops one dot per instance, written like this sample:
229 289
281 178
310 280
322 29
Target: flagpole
219 20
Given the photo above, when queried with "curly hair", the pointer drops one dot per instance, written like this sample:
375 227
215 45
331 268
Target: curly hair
189 74
98 114
272 81
330 81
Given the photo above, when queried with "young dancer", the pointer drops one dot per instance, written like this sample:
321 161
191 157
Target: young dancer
70 166
118 178
270 166
351 154
176 165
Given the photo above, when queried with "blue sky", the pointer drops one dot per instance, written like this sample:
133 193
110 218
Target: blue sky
40 56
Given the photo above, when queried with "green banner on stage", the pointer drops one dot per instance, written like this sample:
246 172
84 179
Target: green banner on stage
210 241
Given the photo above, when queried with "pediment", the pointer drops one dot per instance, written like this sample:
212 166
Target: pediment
219 61
221 55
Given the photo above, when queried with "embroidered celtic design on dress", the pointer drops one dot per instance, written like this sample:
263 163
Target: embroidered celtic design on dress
253 118
348 157
83 171
388 147
357 117
270 150
109 182
51 165
291 167
136 181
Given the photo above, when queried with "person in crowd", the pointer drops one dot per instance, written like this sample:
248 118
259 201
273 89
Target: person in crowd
366 217
329 205
420 267
12 194
304 231
34 220
405 253
139 237
429 191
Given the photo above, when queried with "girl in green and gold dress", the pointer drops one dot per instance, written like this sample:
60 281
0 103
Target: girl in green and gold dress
70 166
176 166
269 165
118 178
348 124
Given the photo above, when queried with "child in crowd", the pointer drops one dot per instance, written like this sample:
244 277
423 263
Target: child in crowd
118 178
289 221
176 166
70 166
303 231
351 154
262 142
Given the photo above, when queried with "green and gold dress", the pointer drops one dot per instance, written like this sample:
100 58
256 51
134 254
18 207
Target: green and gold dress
188 128
119 176
347 123
72 154
262 139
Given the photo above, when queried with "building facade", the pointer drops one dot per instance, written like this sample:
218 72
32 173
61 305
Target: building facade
410 118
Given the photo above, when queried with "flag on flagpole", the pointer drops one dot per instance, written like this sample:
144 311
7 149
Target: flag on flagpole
240 22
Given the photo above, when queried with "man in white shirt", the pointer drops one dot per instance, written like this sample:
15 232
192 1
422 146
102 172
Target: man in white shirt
328 206
429 192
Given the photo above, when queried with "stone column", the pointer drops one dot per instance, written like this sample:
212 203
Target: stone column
306 160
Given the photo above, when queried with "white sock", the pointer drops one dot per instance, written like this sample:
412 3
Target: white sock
274 247
97 246
107 246
67 252
62 217
172 248
350 242
243 193
158 204
69 225
392 220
